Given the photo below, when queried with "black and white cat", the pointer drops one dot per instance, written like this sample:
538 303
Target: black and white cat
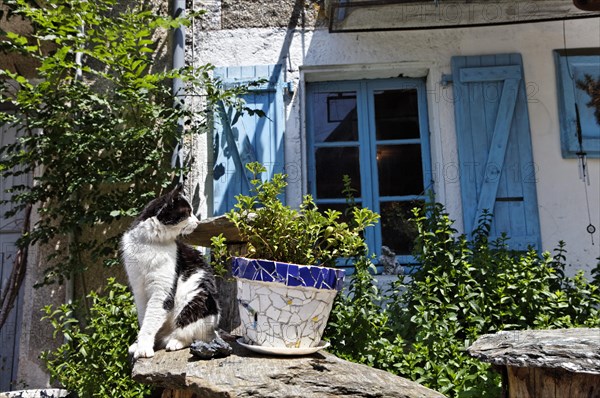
173 286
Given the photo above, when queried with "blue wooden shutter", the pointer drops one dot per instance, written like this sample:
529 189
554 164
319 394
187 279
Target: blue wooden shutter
494 147
243 138
573 67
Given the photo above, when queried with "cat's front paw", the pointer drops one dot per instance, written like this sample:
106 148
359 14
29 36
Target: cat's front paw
139 350
132 349
174 345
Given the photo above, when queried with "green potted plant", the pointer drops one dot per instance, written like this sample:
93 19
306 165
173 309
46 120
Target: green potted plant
287 281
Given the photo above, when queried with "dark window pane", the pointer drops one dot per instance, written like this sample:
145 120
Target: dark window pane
332 164
400 170
396 114
397 231
334 117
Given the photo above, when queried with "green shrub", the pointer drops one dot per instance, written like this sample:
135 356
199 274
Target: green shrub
358 327
93 361
462 290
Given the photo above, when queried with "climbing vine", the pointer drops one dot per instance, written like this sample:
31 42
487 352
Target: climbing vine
96 125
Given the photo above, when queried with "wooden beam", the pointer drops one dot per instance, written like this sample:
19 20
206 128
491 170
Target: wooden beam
587 5
212 227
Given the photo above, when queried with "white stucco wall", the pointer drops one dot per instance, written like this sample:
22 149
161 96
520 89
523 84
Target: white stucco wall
311 55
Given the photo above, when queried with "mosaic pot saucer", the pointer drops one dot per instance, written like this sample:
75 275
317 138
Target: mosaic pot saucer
283 350
284 305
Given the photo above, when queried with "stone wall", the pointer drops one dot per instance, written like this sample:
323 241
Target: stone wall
13 62
238 14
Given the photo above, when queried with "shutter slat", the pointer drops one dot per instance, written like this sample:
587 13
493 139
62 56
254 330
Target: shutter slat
485 74
497 150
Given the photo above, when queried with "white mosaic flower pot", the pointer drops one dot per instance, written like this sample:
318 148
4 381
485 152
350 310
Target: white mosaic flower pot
284 305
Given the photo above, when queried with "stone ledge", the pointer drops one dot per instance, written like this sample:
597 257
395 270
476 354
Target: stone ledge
246 374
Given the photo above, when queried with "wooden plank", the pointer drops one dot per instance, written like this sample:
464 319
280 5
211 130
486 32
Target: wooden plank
212 227
179 394
465 145
495 160
476 107
487 74
523 215
587 5
425 14
493 93
511 186
500 222
528 219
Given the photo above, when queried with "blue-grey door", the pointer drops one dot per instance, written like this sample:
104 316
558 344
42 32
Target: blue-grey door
10 230
498 173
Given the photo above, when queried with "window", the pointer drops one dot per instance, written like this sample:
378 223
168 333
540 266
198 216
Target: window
578 79
376 132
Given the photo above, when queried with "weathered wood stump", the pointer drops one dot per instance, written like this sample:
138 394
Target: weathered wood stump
246 374
545 363
212 227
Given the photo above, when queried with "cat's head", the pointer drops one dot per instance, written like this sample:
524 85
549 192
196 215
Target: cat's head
173 211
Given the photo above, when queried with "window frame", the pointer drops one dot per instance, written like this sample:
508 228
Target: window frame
566 97
367 143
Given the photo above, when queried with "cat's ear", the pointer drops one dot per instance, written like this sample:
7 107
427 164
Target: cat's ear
177 191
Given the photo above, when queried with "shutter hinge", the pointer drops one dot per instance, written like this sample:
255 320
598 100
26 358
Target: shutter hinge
446 79
288 87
